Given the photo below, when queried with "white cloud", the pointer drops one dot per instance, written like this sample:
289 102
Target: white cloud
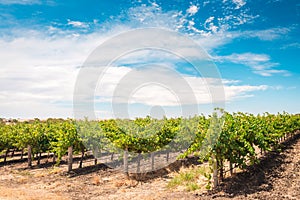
260 63
267 34
28 2
155 4
160 87
19 1
213 33
40 82
192 10
210 41
209 25
239 3
271 72
247 58
205 3
154 16
77 24
218 37
295 45
38 70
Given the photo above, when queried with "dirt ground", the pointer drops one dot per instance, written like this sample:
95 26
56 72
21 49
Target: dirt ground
277 176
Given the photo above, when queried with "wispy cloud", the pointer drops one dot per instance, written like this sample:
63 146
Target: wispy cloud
239 3
78 24
294 45
260 63
209 25
267 34
23 2
192 10
217 38
184 21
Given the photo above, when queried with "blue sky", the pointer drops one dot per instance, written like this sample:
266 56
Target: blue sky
255 45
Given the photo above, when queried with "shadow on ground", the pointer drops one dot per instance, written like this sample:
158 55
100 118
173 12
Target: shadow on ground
258 177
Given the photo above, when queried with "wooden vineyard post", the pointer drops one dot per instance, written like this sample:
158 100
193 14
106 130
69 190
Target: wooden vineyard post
82 156
230 168
54 158
39 158
126 162
48 155
112 157
152 161
13 153
138 168
6 154
220 166
22 153
97 155
70 158
215 171
168 155
29 150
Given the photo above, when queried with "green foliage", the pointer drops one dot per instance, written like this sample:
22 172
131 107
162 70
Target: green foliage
240 134
232 137
140 135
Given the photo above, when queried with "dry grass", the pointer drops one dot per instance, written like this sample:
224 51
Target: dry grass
191 179
56 170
